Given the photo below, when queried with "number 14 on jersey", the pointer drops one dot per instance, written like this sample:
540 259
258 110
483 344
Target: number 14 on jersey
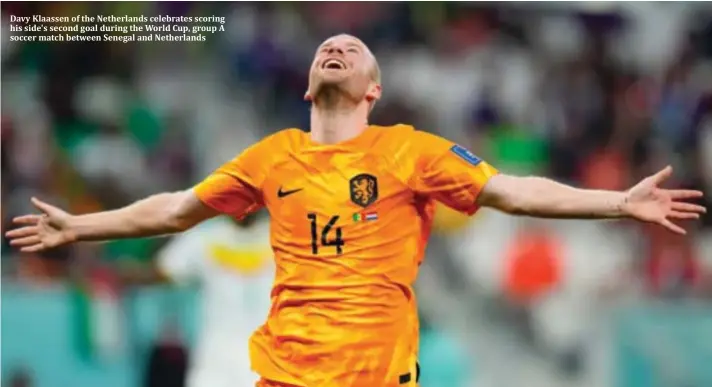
337 242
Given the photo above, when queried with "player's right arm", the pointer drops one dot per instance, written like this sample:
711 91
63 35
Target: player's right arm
232 189
155 215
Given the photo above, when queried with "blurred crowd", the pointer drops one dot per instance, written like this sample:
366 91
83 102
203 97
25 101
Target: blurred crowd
596 95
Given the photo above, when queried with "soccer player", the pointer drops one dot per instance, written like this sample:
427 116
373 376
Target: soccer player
232 263
351 206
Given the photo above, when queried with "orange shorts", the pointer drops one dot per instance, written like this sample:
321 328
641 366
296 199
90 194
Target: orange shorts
269 383
406 380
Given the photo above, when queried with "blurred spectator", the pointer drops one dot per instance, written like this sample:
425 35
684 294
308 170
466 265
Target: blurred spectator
167 362
704 143
533 264
672 269
20 378
110 156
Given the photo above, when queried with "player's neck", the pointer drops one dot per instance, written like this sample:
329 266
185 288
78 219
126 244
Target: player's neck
339 124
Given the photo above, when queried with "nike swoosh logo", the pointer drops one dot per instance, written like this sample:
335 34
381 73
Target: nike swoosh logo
281 194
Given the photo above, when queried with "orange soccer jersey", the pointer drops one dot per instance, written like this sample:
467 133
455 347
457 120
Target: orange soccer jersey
349 226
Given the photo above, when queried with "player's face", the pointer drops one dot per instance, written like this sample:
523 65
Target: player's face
342 62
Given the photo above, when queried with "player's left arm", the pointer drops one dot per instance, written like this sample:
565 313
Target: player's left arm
545 198
459 179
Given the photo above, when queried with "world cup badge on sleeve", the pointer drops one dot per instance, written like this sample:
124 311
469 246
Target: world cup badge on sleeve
465 154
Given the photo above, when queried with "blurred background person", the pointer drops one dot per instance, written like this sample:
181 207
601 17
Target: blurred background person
19 378
231 262
167 360
596 95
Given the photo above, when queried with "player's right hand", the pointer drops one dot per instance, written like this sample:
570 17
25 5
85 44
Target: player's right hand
42 232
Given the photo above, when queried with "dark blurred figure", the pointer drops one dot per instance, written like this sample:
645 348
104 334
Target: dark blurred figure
167 362
20 377
672 269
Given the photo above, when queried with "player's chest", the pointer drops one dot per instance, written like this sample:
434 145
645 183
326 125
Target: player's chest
344 184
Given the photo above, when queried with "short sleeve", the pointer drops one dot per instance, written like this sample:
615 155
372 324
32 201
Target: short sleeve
449 173
180 260
235 188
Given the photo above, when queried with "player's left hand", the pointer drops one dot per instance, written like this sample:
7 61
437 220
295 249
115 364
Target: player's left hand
649 203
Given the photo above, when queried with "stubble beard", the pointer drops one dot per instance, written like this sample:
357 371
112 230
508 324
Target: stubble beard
328 95
332 95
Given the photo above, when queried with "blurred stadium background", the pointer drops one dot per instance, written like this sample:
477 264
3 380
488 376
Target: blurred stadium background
595 94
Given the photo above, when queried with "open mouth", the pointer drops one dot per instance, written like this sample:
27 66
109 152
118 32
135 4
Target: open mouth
333 64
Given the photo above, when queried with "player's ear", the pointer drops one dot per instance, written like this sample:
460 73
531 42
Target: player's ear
374 93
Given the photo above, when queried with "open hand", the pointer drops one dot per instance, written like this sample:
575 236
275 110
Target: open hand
41 232
649 203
